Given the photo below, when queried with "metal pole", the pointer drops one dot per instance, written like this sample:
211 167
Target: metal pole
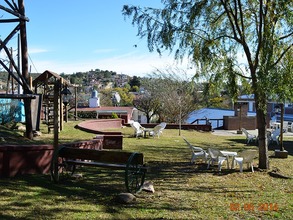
281 129
240 124
75 103
18 62
180 116
66 113
179 93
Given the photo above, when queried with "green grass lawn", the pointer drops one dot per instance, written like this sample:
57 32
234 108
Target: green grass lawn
182 190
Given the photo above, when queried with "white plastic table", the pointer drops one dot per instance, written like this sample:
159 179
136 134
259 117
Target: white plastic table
228 154
145 131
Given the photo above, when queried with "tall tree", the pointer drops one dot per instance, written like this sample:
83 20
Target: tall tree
147 104
215 34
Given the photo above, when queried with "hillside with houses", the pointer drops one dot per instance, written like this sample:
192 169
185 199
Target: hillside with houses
111 85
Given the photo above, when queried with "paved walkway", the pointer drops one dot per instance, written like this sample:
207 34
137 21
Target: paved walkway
234 133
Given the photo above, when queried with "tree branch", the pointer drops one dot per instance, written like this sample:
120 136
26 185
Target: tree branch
282 55
286 36
229 17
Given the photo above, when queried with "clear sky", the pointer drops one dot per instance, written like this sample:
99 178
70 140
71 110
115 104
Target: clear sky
77 36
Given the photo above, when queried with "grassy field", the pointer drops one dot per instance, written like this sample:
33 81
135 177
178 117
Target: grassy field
182 190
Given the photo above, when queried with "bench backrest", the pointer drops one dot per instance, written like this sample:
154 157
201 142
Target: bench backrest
103 156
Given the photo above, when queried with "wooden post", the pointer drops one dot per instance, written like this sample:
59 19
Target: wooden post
56 120
56 113
24 68
61 106
11 69
31 82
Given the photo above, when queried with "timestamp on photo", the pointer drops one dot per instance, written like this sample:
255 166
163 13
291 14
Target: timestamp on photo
254 207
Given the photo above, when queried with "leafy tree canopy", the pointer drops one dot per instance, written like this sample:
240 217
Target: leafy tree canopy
227 41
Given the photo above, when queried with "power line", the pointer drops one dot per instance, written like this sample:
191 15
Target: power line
33 63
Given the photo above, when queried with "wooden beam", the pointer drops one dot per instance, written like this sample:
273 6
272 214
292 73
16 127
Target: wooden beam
9 20
24 68
17 96
15 13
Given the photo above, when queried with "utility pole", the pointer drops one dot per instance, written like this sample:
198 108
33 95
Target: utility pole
24 70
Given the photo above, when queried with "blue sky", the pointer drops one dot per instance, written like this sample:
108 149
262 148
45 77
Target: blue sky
77 36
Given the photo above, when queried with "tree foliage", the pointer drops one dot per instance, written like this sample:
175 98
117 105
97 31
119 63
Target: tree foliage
106 96
134 82
228 41
168 94
147 104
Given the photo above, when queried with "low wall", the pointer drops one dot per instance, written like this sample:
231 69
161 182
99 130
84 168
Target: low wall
25 159
111 139
97 126
36 159
183 126
112 142
95 144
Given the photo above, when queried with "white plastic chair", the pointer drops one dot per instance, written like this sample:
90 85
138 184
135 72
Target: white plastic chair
243 157
163 125
269 137
138 129
215 156
249 137
285 126
156 131
290 126
275 136
196 152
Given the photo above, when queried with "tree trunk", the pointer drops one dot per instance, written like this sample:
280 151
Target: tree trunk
148 118
262 139
260 99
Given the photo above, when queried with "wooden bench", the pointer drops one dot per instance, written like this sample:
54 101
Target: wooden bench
131 162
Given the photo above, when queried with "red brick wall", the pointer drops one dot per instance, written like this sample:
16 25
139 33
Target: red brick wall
112 141
233 122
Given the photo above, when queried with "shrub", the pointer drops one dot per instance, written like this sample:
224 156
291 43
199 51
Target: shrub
91 114
114 115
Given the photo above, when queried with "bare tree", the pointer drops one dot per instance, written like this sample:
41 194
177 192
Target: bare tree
171 94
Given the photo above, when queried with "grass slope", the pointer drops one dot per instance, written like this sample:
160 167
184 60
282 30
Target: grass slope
182 190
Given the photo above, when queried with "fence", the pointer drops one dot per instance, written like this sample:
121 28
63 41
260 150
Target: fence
11 109
215 123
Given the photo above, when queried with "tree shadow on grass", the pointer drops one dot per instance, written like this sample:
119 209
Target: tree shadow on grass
288 146
180 169
242 141
95 188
